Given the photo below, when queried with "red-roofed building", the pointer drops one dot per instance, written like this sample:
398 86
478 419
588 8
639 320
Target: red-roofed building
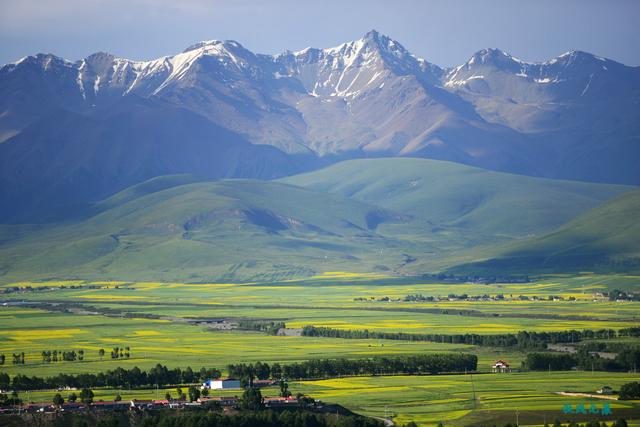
500 367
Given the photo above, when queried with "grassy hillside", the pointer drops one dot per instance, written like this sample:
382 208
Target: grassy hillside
473 200
383 215
172 229
603 239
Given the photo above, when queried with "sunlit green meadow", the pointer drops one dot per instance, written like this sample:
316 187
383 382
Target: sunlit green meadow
95 319
429 400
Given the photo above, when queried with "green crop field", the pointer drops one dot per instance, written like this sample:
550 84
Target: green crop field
429 400
172 343
156 321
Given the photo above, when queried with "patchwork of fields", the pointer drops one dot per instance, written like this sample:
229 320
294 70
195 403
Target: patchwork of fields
157 322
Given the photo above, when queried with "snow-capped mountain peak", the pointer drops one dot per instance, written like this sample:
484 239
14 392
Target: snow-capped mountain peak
352 68
363 97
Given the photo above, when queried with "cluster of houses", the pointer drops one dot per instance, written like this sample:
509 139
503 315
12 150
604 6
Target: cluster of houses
149 405
138 405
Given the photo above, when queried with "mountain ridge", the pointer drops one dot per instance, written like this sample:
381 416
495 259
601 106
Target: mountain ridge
371 40
574 117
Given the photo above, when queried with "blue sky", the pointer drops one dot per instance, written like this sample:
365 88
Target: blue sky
443 32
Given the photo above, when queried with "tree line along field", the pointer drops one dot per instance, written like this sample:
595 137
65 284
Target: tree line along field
428 400
156 321
154 341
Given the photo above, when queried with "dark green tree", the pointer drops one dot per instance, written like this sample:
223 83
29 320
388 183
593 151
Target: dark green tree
58 399
630 391
251 400
194 393
284 389
5 381
14 399
86 395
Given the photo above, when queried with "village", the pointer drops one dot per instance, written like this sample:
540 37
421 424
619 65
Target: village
198 400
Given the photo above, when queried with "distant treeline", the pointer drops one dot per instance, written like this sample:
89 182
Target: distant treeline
607 346
616 295
200 418
12 289
49 356
627 360
523 339
467 297
473 278
321 368
268 418
269 327
118 377
328 368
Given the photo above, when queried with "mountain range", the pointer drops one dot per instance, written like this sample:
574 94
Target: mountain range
219 163
73 133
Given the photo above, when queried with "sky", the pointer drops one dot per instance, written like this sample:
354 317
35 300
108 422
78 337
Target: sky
445 32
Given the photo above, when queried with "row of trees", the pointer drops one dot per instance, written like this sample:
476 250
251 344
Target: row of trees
49 356
18 359
245 418
326 368
627 360
473 278
116 352
522 339
118 377
266 326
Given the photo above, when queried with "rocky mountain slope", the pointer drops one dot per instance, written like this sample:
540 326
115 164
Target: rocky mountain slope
576 116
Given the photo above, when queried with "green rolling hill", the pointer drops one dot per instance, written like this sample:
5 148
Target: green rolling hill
605 239
169 228
448 195
384 215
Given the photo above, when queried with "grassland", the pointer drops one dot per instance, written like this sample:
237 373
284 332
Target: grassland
384 215
448 399
429 400
603 238
93 317
171 343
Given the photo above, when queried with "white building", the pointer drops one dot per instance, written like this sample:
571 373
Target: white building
222 384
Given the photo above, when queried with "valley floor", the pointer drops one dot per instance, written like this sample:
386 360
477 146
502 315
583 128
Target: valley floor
180 325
